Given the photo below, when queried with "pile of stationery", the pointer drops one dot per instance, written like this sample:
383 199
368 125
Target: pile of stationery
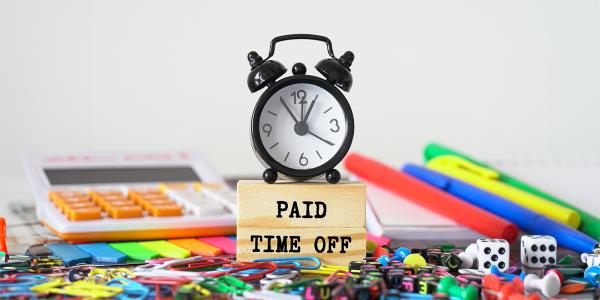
495 207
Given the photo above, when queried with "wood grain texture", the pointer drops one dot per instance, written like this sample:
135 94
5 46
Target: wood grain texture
354 251
258 207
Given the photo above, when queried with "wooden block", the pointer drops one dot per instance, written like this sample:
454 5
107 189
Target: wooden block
285 204
347 244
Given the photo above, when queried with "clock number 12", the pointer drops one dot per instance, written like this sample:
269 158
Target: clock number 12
299 94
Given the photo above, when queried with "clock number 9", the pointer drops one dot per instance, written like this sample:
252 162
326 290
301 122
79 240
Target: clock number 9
267 129
303 160
335 123
299 94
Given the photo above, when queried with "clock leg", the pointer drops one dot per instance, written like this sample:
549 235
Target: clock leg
333 176
270 176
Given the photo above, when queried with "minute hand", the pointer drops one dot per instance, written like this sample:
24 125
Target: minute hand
322 139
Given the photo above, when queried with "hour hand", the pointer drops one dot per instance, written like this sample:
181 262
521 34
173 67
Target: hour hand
288 109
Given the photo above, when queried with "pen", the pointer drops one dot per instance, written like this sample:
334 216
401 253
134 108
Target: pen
524 218
590 224
431 198
488 180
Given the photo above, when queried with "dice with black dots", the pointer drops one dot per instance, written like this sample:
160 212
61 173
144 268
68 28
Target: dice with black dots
538 250
492 252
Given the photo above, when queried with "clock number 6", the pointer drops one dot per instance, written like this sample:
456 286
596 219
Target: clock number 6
267 129
335 123
303 160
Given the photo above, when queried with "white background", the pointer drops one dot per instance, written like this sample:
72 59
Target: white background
500 79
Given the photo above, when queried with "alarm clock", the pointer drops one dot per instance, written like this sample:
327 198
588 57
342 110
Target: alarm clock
302 125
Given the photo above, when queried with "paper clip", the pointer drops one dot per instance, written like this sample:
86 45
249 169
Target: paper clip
325 270
198 264
296 260
131 289
187 291
263 268
77 289
21 280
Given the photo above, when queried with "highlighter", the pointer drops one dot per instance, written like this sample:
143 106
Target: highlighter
487 180
590 224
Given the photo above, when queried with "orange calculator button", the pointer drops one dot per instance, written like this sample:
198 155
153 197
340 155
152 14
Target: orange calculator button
167 210
62 203
158 202
107 205
124 212
84 213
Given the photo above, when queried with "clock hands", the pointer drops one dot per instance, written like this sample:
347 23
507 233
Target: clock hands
310 108
288 109
322 139
301 128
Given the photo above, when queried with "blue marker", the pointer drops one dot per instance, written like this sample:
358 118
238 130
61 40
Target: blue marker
524 218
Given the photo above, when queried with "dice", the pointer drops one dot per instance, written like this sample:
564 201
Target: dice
492 252
538 250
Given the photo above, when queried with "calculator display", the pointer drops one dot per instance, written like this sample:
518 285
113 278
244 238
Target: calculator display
57 176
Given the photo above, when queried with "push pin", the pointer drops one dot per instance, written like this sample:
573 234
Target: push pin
399 255
593 275
549 285
495 289
449 286
468 257
494 270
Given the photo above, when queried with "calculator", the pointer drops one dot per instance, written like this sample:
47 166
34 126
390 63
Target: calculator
118 196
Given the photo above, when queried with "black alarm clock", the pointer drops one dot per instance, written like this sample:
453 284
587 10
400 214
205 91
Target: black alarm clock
302 125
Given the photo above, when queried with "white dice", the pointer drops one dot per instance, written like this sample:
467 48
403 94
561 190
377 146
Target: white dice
538 250
492 252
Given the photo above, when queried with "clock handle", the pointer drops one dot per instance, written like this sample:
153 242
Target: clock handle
300 36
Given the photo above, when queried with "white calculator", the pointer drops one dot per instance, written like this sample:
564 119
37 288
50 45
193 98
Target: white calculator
117 196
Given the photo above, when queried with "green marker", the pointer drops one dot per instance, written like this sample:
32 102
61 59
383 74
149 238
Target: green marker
590 224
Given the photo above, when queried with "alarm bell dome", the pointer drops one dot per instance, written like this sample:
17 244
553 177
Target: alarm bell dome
263 72
337 71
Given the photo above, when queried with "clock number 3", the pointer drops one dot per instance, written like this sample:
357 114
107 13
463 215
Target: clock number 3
334 122
303 160
267 129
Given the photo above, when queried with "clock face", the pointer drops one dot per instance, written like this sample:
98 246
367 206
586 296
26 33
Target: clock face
302 126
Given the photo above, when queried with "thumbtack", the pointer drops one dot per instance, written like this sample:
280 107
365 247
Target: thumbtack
592 274
449 286
468 256
399 255
549 285
494 270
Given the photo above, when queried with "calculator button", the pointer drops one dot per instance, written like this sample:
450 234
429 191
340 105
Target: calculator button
107 205
167 210
148 204
85 213
208 209
124 212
